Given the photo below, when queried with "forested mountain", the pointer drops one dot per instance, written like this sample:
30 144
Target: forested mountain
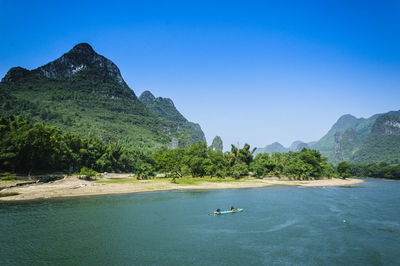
165 108
84 93
277 147
362 140
272 148
357 140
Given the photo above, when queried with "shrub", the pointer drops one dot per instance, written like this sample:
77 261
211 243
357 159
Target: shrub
87 173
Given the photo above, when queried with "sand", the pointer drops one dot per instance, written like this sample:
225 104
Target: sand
72 186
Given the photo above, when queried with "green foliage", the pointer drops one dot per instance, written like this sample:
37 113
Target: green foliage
170 161
87 173
239 169
26 147
343 169
196 159
362 141
304 164
242 155
199 161
92 104
146 171
378 148
7 176
377 170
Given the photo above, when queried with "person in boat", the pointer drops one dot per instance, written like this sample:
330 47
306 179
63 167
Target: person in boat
233 209
218 211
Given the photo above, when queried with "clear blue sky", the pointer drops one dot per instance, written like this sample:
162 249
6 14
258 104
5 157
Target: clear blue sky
249 71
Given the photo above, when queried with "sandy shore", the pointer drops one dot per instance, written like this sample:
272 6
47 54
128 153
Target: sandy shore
74 187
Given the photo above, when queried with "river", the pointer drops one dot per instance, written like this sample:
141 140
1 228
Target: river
358 225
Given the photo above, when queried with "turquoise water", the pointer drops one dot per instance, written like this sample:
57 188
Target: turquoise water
358 225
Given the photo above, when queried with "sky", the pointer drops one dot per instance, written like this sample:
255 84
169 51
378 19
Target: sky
249 71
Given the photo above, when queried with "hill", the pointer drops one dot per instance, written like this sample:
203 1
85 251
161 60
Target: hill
84 93
363 140
165 108
272 148
277 147
357 140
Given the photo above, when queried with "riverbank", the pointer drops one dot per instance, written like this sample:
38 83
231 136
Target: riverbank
72 186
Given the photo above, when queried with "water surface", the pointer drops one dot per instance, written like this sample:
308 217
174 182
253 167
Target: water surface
357 225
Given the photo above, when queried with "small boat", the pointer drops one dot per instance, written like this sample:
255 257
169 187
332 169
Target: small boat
226 212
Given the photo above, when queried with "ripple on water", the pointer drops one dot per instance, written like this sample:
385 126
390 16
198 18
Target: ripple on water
280 225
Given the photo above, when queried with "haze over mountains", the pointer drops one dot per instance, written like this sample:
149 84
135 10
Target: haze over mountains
83 92
277 147
359 140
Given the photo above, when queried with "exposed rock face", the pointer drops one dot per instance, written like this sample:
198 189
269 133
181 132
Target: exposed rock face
346 144
80 57
15 74
174 144
338 147
386 125
217 144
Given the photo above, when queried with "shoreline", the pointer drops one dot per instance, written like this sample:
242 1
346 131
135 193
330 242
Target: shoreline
71 186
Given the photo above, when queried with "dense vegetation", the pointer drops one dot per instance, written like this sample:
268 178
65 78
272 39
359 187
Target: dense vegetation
27 147
92 102
165 108
363 141
377 170
304 164
66 103
198 160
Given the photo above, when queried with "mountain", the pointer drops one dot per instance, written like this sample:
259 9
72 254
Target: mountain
277 147
217 144
272 148
84 93
357 140
298 146
362 140
165 108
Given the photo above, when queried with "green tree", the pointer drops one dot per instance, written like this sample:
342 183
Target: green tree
170 161
195 159
344 169
146 171
239 169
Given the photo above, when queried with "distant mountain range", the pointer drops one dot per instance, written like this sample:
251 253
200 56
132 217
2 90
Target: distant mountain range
277 147
83 92
357 140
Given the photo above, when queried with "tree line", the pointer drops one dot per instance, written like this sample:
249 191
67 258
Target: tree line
377 170
198 160
27 147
